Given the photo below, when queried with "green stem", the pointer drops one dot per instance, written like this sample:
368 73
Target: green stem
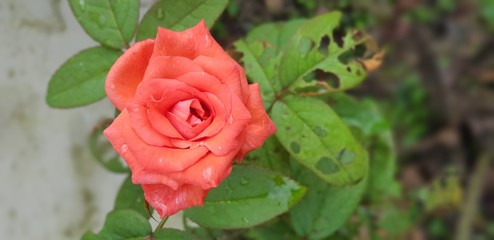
161 224
474 192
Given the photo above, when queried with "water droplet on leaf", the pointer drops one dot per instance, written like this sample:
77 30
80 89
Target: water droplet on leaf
244 181
102 21
245 220
160 14
124 148
82 4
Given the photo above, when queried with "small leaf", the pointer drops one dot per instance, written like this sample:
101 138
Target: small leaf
179 15
81 80
325 208
123 224
169 233
103 151
317 138
110 22
249 196
131 196
317 54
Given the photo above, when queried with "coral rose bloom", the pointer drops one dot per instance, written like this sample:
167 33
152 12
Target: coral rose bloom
187 114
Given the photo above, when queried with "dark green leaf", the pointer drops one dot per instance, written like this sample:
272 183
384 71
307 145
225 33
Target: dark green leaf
315 54
169 234
271 155
179 15
249 196
131 196
364 116
325 208
317 138
110 22
103 151
81 80
277 230
123 224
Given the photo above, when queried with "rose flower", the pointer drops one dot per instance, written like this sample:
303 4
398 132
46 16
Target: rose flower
187 112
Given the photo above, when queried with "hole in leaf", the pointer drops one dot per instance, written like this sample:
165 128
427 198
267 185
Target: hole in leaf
346 57
332 79
346 156
324 45
338 35
320 131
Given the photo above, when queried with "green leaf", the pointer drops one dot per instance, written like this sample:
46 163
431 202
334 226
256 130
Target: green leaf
122 224
317 138
261 49
364 117
276 230
179 15
103 151
81 80
169 233
325 208
131 196
309 59
110 22
271 155
249 196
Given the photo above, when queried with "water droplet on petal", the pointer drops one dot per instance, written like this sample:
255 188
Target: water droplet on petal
220 148
230 119
203 73
160 14
124 148
112 86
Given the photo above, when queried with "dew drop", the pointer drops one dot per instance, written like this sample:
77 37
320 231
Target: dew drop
203 73
244 181
124 148
245 220
101 21
160 14
220 148
82 4
230 119
112 86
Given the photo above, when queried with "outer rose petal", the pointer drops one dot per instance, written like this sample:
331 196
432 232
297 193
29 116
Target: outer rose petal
127 72
260 127
167 201
191 43
170 67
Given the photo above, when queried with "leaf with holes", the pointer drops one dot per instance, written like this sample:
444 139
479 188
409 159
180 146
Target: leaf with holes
110 22
261 54
179 15
103 151
325 208
271 155
321 55
81 79
249 196
318 139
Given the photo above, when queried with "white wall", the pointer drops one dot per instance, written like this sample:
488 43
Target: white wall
51 188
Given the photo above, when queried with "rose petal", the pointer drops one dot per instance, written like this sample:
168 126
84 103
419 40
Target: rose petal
260 127
170 67
167 201
143 157
193 42
226 140
127 72
228 72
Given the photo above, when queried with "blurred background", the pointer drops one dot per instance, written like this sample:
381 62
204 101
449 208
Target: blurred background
435 85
